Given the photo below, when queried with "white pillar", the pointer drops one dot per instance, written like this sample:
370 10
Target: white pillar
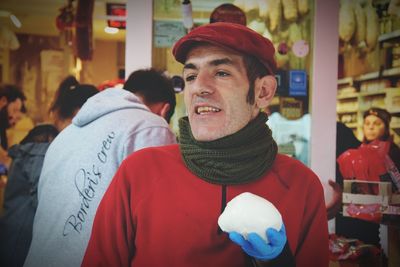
139 31
324 84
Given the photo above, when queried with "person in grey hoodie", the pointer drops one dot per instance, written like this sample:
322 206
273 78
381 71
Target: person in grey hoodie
82 160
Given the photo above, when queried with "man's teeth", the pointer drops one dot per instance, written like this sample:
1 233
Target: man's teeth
202 110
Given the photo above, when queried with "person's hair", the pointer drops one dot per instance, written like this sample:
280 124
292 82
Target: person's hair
12 93
44 133
345 139
70 97
255 69
385 116
154 87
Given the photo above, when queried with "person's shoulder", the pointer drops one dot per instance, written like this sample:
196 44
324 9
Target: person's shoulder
290 171
155 153
283 161
38 149
145 118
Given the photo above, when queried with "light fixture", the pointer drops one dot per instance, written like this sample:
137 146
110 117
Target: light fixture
187 14
13 18
111 30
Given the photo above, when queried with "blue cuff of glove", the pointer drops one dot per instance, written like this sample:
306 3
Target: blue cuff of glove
256 246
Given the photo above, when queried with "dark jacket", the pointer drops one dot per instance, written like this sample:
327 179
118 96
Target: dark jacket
20 202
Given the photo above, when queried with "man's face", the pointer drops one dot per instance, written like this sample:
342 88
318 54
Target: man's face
373 128
14 111
216 87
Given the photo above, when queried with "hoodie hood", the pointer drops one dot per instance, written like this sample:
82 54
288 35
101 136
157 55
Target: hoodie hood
107 101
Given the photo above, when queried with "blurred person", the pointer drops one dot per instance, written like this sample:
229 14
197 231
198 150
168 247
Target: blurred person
11 108
167 216
376 128
82 160
345 139
377 159
20 201
69 98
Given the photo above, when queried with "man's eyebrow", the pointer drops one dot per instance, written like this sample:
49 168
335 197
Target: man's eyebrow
221 61
189 66
215 62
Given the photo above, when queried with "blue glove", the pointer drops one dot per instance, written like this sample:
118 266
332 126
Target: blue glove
256 247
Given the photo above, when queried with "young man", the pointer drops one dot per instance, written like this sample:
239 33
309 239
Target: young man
84 157
167 216
11 107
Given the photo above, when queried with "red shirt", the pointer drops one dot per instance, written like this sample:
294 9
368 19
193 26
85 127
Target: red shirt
157 213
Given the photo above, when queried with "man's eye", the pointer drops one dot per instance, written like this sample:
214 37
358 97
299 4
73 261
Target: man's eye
190 78
222 74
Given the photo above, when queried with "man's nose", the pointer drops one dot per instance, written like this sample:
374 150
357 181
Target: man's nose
203 84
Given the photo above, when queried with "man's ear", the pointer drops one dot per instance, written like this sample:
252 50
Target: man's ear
265 90
161 109
164 110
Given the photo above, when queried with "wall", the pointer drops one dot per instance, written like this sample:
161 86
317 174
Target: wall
104 65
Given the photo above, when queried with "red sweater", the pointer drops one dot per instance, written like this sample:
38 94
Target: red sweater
157 213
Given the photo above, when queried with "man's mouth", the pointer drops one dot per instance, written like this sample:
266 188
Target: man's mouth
206 110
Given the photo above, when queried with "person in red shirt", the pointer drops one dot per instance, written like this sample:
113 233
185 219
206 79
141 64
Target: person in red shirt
163 204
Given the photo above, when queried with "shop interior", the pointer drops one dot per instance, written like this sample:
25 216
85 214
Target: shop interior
40 45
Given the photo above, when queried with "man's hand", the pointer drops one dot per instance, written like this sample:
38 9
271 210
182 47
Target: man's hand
335 205
256 247
4 158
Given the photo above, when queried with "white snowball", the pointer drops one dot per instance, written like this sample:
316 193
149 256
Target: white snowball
249 213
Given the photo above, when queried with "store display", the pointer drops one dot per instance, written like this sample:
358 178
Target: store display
342 248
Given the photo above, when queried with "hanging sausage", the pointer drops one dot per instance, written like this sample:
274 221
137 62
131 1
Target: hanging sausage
84 29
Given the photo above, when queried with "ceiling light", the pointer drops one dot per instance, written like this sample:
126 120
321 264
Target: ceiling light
111 30
15 20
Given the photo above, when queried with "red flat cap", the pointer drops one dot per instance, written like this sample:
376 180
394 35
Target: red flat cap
228 35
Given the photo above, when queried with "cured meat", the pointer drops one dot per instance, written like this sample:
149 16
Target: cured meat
347 22
372 32
263 9
250 5
289 9
275 15
294 34
303 6
394 8
360 23
240 4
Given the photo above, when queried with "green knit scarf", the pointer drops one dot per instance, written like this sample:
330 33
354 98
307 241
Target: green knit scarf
234 159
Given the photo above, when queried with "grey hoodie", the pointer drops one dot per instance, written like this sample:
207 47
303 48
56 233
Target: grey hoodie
78 167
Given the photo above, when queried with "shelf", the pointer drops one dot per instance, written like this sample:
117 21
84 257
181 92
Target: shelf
367 76
351 124
378 92
391 72
395 125
346 96
344 111
344 81
394 110
370 76
391 36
